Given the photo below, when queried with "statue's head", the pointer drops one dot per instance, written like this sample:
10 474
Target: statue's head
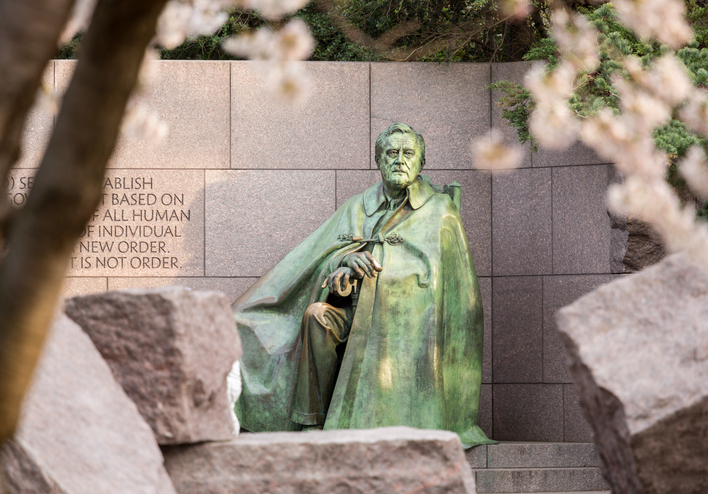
400 155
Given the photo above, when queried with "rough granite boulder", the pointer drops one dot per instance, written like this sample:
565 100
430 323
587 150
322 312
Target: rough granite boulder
639 359
79 432
171 349
376 461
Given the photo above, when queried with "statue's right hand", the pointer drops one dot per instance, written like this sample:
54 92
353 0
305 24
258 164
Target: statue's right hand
362 263
338 280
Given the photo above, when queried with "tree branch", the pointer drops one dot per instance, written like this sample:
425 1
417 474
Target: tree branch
29 31
67 189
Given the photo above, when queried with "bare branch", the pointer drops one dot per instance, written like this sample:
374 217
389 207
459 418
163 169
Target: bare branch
452 39
380 45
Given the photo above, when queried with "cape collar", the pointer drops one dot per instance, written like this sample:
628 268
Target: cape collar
418 194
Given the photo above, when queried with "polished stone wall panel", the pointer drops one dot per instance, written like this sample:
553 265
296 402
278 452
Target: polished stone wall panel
559 291
78 286
447 103
254 218
576 154
232 287
354 182
193 99
328 131
485 419
581 225
575 428
528 412
517 330
522 223
485 286
148 223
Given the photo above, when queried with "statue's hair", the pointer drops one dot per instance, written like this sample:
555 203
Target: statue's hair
399 128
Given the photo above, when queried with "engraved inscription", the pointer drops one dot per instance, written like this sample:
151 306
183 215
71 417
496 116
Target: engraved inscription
144 225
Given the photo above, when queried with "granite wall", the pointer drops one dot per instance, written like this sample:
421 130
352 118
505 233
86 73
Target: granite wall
241 180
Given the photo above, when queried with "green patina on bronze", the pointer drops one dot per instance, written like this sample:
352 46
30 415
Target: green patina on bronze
413 353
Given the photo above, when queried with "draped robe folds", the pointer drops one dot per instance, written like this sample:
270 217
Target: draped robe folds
414 353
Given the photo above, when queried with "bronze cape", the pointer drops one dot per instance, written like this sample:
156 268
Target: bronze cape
414 351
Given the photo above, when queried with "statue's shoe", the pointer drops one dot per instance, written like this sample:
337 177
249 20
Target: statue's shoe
308 428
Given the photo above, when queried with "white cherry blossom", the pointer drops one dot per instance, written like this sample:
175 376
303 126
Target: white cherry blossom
490 152
577 40
695 113
656 19
695 170
141 122
553 125
514 10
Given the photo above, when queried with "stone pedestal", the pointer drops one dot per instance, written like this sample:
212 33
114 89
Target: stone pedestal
376 461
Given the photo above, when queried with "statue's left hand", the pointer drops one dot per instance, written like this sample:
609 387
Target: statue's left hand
338 278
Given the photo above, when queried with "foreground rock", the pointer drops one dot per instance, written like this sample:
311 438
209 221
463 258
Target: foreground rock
171 350
388 460
639 359
79 432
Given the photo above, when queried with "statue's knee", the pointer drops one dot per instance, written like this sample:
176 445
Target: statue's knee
316 310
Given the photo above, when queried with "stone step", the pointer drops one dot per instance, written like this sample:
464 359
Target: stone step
539 480
525 467
533 455
586 492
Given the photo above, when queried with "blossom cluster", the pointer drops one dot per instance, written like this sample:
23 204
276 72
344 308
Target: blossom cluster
181 19
662 20
187 18
514 10
649 97
491 153
278 50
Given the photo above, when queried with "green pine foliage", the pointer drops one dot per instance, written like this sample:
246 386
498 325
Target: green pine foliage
436 30
330 42
543 49
595 89
209 47
675 139
517 105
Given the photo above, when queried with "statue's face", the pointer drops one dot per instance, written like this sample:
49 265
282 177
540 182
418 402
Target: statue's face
400 161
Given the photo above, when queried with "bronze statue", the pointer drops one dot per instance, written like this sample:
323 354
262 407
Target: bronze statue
375 319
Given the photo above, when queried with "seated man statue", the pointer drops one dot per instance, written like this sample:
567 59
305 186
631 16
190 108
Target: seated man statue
374 320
